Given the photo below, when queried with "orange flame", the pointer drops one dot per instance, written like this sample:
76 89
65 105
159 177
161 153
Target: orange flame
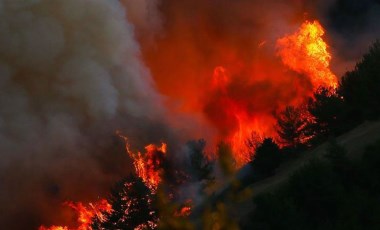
53 228
85 213
184 210
245 125
148 165
307 53
304 52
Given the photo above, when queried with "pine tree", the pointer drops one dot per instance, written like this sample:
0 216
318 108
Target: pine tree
132 206
291 127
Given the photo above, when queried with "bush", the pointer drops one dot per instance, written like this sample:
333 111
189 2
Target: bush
267 158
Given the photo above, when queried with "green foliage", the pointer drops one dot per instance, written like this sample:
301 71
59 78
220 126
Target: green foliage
267 158
361 87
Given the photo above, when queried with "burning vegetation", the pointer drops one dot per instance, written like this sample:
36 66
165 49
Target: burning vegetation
254 82
86 214
241 124
234 112
148 165
307 53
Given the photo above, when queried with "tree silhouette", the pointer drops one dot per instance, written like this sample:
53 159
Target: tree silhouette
360 87
267 158
291 127
132 204
329 113
200 166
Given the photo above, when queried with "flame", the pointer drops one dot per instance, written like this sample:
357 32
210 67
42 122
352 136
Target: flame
238 115
85 213
306 52
239 101
53 228
185 209
236 122
148 165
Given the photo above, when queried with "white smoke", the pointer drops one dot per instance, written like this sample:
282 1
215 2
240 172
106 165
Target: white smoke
70 73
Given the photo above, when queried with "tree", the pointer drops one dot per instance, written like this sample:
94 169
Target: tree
291 124
200 166
267 158
329 113
132 204
360 87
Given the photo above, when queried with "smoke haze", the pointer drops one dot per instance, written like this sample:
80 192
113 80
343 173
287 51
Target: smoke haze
72 72
71 75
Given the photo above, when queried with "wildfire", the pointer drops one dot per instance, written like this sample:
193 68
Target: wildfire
236 109
85 214
148 165
240 106
307 53
53 228
237 123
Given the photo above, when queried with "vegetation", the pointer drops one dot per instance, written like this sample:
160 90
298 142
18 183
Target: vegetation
325 194
291 124
267 158
329 193
132 204
360 87
329 113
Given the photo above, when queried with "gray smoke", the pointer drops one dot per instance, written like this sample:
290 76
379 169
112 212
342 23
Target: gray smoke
70 76
351 27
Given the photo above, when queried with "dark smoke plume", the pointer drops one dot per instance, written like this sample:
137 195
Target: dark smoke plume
70 76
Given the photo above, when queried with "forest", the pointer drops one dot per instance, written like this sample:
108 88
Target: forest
335 192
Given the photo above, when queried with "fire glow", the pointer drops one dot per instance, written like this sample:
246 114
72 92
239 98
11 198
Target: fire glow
85 214
148 165
235 116
304 52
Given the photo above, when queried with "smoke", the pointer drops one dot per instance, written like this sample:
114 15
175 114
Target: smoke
70 75
72 72
352 26
197 37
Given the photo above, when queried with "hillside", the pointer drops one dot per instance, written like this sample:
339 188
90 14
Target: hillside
355 142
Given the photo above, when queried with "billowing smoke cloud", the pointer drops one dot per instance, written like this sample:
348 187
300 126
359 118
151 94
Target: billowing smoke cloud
352 26
70 76
199 37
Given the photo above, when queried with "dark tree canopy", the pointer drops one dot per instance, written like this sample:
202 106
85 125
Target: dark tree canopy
329 112
200 166
291 124
324 194
267 158
132 204
360 88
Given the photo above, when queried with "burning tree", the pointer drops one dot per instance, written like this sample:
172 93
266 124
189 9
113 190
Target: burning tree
133 207
291 127
306 52
85 213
